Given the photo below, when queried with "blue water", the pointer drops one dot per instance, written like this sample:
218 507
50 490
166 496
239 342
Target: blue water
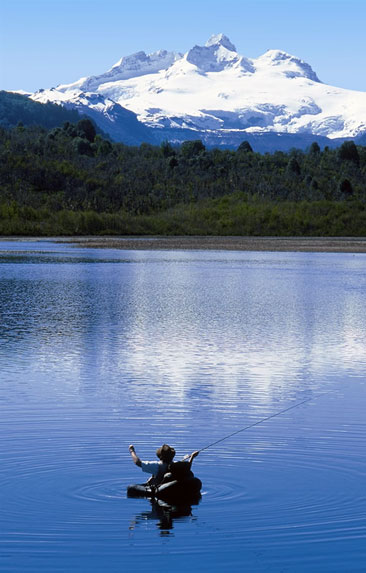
103 348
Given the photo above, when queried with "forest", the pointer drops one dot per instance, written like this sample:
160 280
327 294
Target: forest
71 180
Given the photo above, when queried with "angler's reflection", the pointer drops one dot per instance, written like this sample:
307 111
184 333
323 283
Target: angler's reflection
164 514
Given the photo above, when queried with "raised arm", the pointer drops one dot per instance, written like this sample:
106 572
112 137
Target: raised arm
134 456
191 458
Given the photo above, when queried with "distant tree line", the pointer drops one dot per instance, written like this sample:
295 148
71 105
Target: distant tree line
71 180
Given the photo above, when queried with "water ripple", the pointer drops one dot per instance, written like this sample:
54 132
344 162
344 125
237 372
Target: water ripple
183 348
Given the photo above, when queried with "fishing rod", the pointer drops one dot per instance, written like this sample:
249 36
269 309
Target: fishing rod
259 422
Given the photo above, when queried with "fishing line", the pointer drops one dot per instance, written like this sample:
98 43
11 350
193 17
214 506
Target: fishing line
261 421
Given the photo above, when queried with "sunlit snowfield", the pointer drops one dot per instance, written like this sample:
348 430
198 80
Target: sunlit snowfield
101 348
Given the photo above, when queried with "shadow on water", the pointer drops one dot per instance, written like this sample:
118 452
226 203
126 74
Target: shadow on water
164 514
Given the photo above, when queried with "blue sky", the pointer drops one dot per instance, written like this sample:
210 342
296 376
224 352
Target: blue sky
46 42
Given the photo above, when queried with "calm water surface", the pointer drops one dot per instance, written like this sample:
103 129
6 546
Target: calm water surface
101 348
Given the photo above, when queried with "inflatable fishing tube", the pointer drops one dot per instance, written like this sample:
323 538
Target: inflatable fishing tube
172 492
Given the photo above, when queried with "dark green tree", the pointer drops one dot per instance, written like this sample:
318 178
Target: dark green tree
345 187
167 149
190 149
85 128
82 146
348 152
314 148
245 147
173 162
293 167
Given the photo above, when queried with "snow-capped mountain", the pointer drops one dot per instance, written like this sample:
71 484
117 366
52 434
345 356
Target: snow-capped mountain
112 118
216 94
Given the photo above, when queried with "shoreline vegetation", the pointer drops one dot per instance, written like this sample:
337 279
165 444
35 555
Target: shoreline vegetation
282 244
69 181
234 215
211 243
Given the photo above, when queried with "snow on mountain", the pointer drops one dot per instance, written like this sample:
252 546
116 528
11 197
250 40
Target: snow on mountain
214 93
218 54
136 65
112 118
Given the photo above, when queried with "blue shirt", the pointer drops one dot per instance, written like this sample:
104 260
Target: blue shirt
156 469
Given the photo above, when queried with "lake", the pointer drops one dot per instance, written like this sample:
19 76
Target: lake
103 348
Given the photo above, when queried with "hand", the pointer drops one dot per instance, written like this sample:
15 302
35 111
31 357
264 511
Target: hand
131 448
194 455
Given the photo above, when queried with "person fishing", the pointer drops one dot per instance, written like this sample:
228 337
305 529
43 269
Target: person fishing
174 481
158 469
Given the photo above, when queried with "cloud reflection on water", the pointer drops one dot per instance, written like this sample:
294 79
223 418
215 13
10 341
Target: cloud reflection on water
238 325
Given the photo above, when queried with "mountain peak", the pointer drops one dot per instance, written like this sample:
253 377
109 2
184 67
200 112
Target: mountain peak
132 66
216 55
220 40
215 93
292 66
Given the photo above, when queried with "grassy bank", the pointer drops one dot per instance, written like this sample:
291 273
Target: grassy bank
229 215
